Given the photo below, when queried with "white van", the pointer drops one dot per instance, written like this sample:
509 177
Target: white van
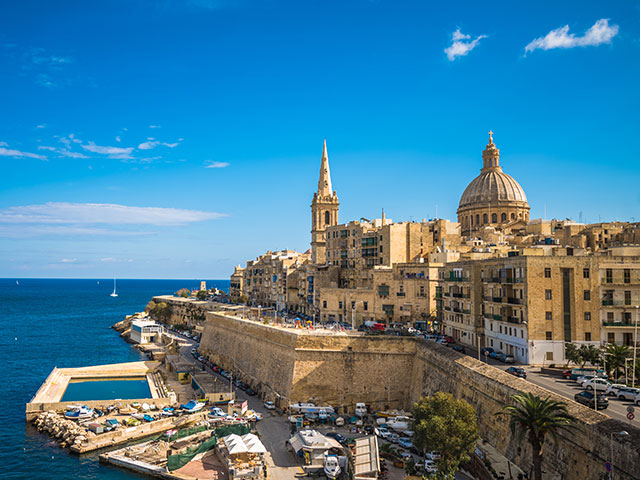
361 409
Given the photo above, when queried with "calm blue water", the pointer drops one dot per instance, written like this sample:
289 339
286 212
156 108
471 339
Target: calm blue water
106 390
65 323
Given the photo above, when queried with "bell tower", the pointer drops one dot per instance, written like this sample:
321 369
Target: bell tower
324 211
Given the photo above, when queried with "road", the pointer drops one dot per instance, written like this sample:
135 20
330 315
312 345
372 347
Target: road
568 388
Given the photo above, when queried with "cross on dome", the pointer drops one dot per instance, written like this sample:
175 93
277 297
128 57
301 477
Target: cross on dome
490 136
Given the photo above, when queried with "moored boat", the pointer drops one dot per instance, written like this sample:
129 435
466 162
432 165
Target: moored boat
331 466
78 412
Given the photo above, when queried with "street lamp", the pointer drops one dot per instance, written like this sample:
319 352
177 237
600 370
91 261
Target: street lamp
621 434
635 346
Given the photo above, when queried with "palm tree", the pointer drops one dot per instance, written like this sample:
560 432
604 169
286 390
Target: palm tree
534 417
616 355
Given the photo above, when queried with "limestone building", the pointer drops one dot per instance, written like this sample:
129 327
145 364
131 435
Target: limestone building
493 197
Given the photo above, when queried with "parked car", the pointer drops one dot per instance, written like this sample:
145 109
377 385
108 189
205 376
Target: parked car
517 371
433 456
637 400
459 348
583 378
393 438
269 405
566 374
429 466
590 398
628 393
251 392
509 359
405 442
578 372
500 356
613 388
598 384
383 433
336 436
495 354
488 350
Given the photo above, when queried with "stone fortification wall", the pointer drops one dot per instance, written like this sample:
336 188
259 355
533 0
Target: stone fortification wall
184 311
290 366
580 454
262 356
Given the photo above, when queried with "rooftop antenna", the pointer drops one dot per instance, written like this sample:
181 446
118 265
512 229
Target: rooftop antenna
580 216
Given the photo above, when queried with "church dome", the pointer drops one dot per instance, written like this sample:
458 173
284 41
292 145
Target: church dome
492 186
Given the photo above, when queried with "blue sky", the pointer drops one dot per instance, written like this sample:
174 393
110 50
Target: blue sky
175 139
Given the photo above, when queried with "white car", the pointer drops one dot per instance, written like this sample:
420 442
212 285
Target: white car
637 401
628 393
383 433
613 389
583 378
433 456
429 466
393 438
598 384
269 405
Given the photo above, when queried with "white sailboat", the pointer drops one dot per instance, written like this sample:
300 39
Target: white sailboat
114 294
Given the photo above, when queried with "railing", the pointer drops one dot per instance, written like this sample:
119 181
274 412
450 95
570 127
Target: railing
496 299
512 280
457 279
515 301
401 294
619 324
514 320
497 317
448 309
457 309
467 311
457 295
438 295
616 303
447 294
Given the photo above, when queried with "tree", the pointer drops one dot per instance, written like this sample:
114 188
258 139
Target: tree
615 357
202 295
150 306
572 354
448 425
535 418
589 353
183 292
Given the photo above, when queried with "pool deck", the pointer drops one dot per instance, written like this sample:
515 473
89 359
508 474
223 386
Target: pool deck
49 395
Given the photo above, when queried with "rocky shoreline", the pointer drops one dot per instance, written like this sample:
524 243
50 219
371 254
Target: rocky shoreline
67 432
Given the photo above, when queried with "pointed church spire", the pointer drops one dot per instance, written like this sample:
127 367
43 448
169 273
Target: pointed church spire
324 182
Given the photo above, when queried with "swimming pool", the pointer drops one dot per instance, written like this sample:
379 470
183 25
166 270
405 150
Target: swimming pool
106 389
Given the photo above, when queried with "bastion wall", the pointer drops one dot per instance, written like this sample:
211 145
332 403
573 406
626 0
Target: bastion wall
292 365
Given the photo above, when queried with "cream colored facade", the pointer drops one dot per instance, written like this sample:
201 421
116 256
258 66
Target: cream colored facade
494 278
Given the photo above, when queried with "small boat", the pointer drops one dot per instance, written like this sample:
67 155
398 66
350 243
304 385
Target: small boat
192 406
78 412
148 418
331 466
114 294
138 416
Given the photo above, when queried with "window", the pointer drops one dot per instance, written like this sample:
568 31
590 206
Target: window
627 297
549 335
383 290
365 305
609 316
339 305
327 218
522 334
477 219
611 337
549 355
547 294
485 218
587 336
587 316
587 294
353 305
585 273
422 290
627 275
494 218
608 275
503 217
513 216
500 328
324 304
547 272
548 316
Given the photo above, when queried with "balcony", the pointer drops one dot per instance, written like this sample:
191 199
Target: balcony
457 279
514 320
514 301
616 303
619 324
447 294
467 311
457 309
497 317
448 309
438 295
496 299
401 294
512 280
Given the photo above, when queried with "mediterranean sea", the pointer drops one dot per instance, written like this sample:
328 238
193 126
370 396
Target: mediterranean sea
65 323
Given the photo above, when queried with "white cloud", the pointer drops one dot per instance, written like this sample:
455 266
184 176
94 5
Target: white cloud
461 44
68 260
154 126
63 152
151 143
108 259
112 152
102 213
601 32
8 152
212 164
29 231
41 126
118 139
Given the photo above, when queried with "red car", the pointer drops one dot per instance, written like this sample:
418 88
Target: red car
566 374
